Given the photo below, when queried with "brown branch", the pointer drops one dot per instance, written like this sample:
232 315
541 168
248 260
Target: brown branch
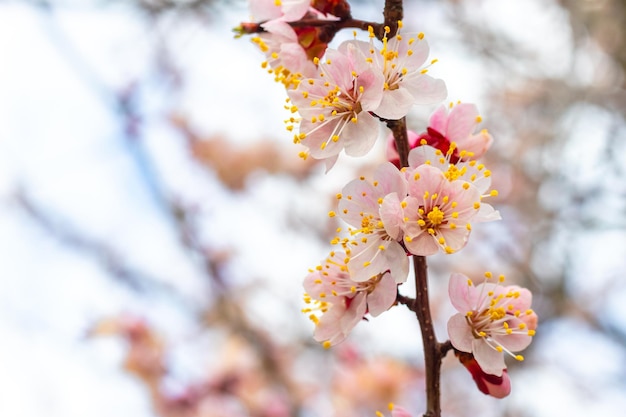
400 135
432 349
393 13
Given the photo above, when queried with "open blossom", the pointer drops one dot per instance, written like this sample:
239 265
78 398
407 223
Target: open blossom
373 211
401 61
457 126
341 301
437 212
493 320
471 171
496 386
334 106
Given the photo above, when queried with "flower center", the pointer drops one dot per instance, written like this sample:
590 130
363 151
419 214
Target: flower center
435 216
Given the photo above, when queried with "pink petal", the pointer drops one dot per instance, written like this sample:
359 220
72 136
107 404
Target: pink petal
439 120
422 245
360 137
390 180
419 51
400 412
490 360
513 342
395 104
460 333
460 293
398 262
426 89
391 214
372 83
461 122
359 198
383 296
456 239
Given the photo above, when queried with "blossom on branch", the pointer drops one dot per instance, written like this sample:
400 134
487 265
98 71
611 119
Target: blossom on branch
335 105
456 124
341 301
401 61
373 211
437 212
493 320
470 171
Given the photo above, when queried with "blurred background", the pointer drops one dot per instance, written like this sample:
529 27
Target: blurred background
156 222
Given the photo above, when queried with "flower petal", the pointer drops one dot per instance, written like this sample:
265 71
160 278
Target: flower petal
460 333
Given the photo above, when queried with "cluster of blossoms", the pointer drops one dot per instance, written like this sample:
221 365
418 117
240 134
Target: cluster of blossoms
337 99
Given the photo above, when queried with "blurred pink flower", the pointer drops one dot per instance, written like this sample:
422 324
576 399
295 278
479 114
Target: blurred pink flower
374 212
395 411
492 320
341 301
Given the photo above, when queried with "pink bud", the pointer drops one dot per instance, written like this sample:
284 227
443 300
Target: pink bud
496 386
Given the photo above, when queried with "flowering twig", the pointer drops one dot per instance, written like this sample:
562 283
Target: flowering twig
433 350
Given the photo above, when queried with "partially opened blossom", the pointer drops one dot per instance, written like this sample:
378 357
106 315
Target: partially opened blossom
493 320
437 212
496 386
373 211
336 303
334 106
471 171
457 124
403 63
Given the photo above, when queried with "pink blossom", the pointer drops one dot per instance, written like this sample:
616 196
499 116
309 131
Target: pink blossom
437 211
341 301
492 320
496 386
471 171
373 210
334 106
401 61
457 126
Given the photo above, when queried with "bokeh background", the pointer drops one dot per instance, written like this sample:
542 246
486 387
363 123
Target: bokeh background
156 222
